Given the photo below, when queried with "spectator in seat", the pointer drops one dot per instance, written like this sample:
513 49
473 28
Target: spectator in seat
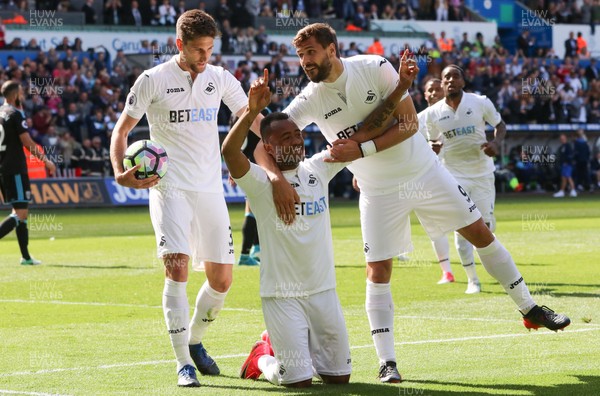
441 10
97 127
90 12
581 43
79 158
134 15
388 13
360 19
154 13
446 45
167 14
376 48
33 45
570 46
113 12
99 161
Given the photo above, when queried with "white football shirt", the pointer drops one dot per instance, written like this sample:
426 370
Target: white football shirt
422 117
296 260
463 133
183 118
370 80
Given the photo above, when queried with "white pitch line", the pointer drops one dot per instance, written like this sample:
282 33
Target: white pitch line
101 304
251 310
157 362
441 341
11 392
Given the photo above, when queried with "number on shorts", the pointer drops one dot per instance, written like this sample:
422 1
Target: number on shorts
463 192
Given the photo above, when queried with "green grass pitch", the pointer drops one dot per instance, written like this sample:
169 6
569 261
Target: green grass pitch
89 320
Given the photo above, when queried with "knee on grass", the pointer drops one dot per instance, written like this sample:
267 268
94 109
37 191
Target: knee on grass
301 384
335 379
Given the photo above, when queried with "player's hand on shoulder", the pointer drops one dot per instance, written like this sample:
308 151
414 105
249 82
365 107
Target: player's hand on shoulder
343 150
259 95
436 145
285 198
128 179
491 149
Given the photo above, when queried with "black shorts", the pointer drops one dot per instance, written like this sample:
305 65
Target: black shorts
16 190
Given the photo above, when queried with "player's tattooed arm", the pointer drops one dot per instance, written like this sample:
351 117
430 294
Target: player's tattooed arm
377 131
380 119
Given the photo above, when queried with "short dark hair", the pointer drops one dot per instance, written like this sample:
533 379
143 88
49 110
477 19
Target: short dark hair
9 87
460 70
196 23
265 125
322 32
433 80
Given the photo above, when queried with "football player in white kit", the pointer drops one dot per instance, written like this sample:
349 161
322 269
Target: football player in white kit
393 180
459 121
301 309
433 93
181 99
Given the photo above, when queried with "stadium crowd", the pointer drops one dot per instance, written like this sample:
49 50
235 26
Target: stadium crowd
74 98
244 13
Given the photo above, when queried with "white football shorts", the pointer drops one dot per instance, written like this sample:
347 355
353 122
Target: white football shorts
192 223
307 332
482 191
439 202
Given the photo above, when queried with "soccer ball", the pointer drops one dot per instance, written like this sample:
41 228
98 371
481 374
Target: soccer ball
152 157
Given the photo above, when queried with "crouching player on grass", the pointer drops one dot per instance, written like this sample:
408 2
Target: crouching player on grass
301 309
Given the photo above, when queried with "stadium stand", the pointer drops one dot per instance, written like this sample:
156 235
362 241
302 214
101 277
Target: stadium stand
79 92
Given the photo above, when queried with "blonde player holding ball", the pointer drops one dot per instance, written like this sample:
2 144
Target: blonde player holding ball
181 99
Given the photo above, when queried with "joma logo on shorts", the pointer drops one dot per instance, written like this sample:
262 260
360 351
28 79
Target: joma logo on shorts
512 285
332 112
378 331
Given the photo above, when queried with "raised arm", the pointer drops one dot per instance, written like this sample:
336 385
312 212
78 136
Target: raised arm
375 133
258 98
285 196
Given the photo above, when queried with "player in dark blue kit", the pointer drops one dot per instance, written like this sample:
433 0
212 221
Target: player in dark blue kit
14 181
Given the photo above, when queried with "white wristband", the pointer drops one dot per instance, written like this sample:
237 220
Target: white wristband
368 148
404 96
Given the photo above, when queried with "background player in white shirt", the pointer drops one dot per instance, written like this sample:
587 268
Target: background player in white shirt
460 121
297 277
181 99
394 179
433 93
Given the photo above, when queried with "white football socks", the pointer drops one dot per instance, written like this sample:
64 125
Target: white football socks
467 259
209 303
177 314
267 364
499 264
380 311
442 250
